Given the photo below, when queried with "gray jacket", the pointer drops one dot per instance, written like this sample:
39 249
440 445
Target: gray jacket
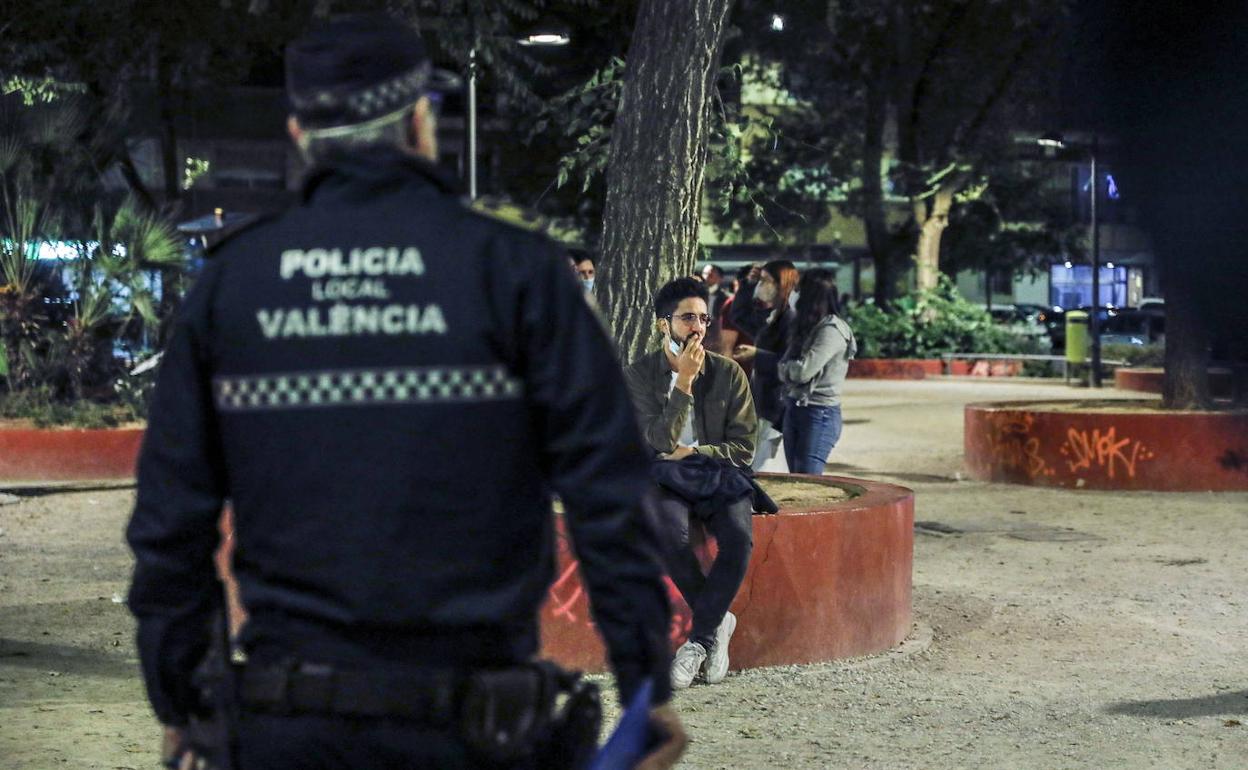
814 374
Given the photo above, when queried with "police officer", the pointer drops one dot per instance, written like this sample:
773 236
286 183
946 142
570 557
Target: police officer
388 386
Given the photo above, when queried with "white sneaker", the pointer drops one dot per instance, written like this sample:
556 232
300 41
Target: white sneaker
686 664
717 659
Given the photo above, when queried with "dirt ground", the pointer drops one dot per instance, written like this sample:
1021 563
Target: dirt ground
1054 628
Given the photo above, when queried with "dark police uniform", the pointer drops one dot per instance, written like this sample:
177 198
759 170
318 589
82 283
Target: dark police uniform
387 386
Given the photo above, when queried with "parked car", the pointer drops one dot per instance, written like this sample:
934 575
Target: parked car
1035 321
1132 326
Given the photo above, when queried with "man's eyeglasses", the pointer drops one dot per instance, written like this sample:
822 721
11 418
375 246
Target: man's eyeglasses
691 317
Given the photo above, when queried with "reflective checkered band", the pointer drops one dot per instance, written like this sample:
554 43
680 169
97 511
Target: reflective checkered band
379 99
366 387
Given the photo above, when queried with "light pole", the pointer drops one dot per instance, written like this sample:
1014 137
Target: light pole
541 37
1054 140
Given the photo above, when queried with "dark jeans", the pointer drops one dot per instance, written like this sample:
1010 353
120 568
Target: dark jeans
709 595
307 742
810 432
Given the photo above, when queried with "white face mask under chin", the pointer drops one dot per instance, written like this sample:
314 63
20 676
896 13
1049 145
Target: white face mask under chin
674 346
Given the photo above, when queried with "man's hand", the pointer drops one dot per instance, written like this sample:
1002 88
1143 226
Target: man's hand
689 363
680 453
663 719
174 752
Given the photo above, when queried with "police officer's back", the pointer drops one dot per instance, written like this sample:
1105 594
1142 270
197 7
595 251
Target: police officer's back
386 385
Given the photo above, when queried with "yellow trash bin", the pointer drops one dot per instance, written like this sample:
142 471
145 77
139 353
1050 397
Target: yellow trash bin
1078 340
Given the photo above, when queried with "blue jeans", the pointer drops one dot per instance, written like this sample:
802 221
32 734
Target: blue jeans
810 432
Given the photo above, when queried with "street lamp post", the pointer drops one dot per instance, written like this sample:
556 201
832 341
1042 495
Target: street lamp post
552 37
1094 321
1055 141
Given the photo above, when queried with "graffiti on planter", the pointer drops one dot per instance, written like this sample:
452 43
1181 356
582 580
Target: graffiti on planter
1103 450
569 602
1013 447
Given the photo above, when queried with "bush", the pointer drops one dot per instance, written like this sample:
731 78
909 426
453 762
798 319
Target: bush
931 323
1136 355
40 406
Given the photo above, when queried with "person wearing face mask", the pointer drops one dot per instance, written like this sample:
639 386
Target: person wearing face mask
765 312
813 371
695 409
585 271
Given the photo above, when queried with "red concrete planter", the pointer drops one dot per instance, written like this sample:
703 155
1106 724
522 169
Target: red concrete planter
33 454
824 583
1152 380
894 368
1120 445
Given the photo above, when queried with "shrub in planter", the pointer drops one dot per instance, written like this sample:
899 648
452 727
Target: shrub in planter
929 324
60 319
1136 355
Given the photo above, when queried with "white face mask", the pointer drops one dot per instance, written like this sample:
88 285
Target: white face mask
588 283
766 292
674 346
793 299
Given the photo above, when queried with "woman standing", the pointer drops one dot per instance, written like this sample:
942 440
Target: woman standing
764 312
813 372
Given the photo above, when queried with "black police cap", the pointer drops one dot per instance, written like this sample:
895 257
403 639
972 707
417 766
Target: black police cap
353 69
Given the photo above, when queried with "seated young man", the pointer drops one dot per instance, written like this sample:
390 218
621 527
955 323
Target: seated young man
692 401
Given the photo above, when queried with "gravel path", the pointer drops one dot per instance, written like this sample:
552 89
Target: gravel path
1056 629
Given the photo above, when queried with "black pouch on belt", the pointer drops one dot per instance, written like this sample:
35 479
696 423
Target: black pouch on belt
573 739
504 713
512 713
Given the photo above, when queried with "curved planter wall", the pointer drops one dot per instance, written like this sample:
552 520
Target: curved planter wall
1150 380
1042 444
68 455
894 368
823 583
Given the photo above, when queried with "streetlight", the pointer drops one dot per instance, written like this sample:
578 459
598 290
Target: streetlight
550 35
1055 141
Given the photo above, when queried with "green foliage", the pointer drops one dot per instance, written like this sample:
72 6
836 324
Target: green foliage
1014 220
929 324
41 407
59 319
914 97
583 117
1136 355
36 90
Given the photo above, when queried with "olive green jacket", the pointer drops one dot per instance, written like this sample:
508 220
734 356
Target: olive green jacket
723 410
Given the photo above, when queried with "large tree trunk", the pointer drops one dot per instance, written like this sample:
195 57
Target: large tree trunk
1187 337
874 218
932 217
169 159
658 154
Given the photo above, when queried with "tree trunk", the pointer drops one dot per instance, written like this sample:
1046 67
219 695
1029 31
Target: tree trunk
874 218
169 160
1187 339
932 217
658 154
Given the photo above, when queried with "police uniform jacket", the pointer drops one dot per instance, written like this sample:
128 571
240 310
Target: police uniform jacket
387 386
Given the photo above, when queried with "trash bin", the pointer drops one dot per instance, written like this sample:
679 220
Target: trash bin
1077 342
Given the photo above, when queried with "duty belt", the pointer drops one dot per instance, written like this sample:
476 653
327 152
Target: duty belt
311 688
